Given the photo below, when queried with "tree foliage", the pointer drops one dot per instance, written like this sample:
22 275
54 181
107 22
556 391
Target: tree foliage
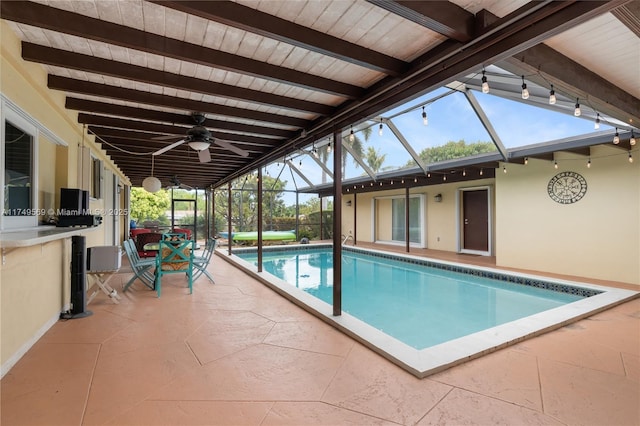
374 159
149 206
244 204
452 150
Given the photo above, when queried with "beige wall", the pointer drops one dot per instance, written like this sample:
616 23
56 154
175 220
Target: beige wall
597 237
35 281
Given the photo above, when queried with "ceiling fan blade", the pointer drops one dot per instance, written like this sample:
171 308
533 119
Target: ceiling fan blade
164 137
228 145
168 147
204 156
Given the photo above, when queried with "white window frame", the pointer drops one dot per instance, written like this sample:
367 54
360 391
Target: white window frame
17 118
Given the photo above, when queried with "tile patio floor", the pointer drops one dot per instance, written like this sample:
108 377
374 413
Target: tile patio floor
236 353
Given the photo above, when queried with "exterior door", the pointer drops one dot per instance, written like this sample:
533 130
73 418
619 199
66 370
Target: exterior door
475 220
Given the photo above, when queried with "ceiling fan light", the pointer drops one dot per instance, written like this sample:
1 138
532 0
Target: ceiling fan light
199 145
151 184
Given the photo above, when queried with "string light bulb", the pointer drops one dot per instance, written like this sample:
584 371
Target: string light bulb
329 148
300 164
352 136
596 125
485 84
632 141
630 157
555 164
589 163
380 128
525 91
577 111
552 96
526 160
504 169
616 138
480 172
425 121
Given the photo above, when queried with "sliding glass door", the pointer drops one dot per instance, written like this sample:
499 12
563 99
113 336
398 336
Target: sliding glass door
391 220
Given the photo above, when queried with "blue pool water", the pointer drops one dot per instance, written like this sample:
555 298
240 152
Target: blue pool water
418 305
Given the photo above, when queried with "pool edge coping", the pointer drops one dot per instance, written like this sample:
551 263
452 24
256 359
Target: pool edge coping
424 362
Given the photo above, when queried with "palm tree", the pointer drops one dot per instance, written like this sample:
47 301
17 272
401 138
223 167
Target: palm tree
374 160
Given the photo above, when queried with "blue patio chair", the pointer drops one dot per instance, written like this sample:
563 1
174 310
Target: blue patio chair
200 263
141 268
175 256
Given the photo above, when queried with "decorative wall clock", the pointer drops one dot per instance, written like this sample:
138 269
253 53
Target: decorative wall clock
567 187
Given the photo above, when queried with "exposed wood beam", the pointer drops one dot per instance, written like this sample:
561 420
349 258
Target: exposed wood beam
180 131
163 116
112 92
66 59
148 138
83 26
544 65
443 17
507 36
629 15
257 22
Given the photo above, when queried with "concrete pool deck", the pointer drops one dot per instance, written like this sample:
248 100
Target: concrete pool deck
424 362
238 353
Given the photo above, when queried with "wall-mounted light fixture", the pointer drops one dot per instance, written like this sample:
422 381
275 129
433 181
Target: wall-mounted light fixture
438 198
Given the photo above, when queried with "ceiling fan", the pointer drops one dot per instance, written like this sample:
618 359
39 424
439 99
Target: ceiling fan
199 138
174 183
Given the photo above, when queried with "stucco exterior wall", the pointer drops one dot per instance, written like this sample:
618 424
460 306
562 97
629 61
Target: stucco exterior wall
35 280
597 237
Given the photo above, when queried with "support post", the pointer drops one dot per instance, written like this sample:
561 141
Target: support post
259 219
406 217
337 223
230 219
321 233
355 217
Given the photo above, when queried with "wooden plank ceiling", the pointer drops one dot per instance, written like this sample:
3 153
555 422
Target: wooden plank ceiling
271 77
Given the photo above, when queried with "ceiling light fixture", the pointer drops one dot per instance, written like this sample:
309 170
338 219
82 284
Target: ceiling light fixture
425 121
151 183
552 96
525 91
199 145
485 84
616 138
577 111
596 124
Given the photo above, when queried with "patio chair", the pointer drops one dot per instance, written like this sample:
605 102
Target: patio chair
175 256
142 239
141 268
185 231
200 263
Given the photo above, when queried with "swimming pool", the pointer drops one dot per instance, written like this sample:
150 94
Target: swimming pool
424 331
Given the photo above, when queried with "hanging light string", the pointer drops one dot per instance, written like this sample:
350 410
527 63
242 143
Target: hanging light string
120 149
